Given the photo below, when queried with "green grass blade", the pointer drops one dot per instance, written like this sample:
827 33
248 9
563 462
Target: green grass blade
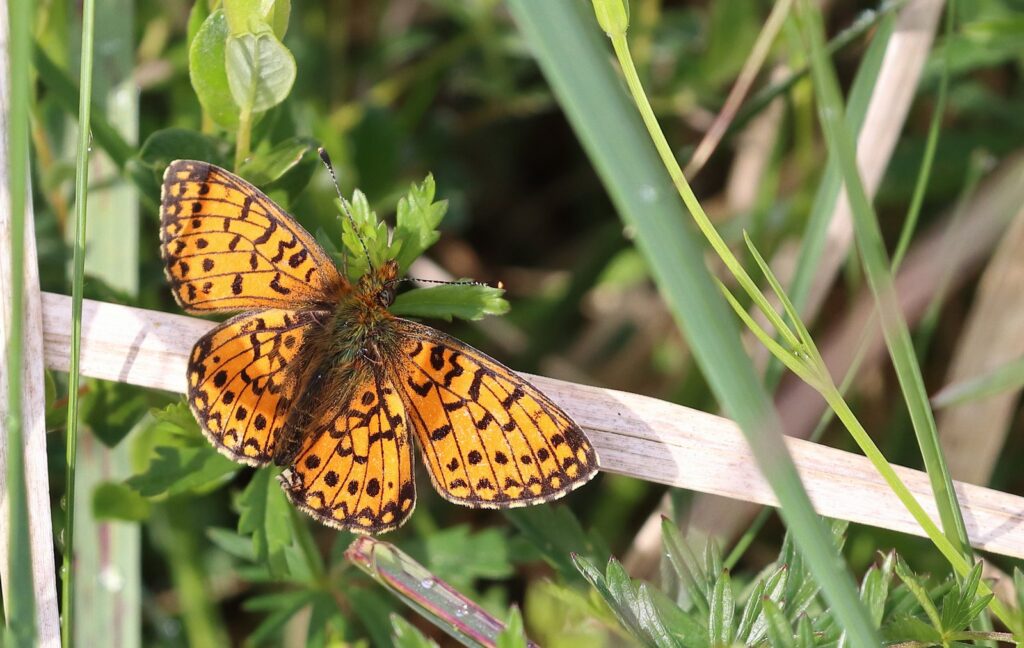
574 58
20 606
876 267
78 281
1003 378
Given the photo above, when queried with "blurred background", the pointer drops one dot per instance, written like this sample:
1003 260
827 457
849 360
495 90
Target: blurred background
395 90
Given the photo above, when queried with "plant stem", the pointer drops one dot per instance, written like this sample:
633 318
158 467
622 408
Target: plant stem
621 47
243 138
78 282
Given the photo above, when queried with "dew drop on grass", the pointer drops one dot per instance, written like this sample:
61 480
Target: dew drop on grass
648 194
427 583
462 610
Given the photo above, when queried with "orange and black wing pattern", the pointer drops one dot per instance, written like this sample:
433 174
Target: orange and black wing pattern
489 438
242 381
227 247
355 468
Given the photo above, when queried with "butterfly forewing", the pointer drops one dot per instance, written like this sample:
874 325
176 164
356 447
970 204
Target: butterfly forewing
227 247
242 380
489 438
355 468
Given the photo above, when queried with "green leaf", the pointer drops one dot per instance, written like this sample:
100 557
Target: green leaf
995 381
406 635
264 514
460 556
251 15
115 501
920 592
720 621
207 71
912 629
465 301
371 232
557 533
260 71
181 469
264 168
780 633
280 606
696 583
514 635
112 409
416 221
234 544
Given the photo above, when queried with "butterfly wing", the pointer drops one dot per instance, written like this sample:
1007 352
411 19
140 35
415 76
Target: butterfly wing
242 379
355 468
489 438
227 247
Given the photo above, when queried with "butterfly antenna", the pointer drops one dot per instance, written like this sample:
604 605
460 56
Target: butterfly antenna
447 283
326 159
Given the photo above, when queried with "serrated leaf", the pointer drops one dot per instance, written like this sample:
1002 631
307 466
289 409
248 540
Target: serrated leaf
112 409
114 501
406 635
720 619
181 469
465 301
265 515
920 592
371 232
260 70
208 72
514 635
416 221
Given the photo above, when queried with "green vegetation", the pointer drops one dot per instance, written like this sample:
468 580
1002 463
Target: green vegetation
537 147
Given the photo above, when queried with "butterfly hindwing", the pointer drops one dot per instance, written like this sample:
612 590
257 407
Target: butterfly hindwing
241 380
489 438
227 247
355 468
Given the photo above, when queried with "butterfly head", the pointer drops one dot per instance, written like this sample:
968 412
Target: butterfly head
377 287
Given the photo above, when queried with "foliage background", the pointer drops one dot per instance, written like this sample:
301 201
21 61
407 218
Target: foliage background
395 91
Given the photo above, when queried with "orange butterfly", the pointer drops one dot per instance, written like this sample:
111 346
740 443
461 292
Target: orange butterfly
317 375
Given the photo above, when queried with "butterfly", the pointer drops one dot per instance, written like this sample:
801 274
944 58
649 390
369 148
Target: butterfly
316 374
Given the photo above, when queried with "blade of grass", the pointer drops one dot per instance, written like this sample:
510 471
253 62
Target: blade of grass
574 60
876 267
78 281
1003 378
20 602
109 615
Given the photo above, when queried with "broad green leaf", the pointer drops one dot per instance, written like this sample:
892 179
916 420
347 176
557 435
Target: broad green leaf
465 301
920 592
416 221
264 514
264 168
208 73
115 501
251 15
260 71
